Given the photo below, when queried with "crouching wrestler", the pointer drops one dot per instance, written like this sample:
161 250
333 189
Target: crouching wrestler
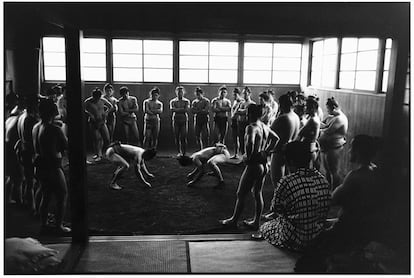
123 155
210 156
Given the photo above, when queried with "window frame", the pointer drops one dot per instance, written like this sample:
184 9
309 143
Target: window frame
208 40
106 58
273 42
43 59
142 54
379 69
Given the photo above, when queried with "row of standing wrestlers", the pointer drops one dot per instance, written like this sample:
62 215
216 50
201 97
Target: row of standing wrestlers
284 122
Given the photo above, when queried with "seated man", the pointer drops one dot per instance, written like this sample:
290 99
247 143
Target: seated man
123 155
363 209
360 194
300 202
210 156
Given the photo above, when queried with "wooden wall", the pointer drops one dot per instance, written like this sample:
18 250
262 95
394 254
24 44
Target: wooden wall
365 114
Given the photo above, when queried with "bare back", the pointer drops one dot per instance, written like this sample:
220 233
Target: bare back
286 126
10 134
97 109
49 140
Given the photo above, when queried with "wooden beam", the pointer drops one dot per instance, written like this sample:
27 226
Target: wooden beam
76 136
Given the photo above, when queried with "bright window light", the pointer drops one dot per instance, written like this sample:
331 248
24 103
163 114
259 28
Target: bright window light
359 58
387 61
223 76
158 75
140 60
324 62
257 77
158 47
272 63
258 50
54 59
208 61
197 75
127 60
93 59
158 60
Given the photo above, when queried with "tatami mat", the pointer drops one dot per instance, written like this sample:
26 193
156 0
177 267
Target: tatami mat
239 257
133 257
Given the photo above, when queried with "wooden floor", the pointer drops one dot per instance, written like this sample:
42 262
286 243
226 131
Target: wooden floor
228 253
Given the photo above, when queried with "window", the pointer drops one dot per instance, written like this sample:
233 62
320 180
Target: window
208 61
54 59
358 63
127 60
387 56
407 84
93 59
272 63
142 60
324 63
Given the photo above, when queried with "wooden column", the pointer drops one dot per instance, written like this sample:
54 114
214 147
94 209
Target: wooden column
393 127
76 135
396 150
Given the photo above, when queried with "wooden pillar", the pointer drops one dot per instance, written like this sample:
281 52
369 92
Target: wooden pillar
393 127
396 149
76 135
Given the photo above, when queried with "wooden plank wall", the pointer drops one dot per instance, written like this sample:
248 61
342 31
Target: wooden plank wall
365 114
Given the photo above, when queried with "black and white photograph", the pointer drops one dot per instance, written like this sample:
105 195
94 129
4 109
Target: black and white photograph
206 138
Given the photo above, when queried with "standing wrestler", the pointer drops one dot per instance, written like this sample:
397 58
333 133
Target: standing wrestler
220 107
25 126
128 109
264 101
123 156
237 101
273 105
200 108
111 117
61 105
309 133
286 126
332 141
97 107
260 140
49 143
242 121
152 109
12 169
210 156
179 107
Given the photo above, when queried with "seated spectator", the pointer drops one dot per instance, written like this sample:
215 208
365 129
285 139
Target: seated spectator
360 216
300 203
358 196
